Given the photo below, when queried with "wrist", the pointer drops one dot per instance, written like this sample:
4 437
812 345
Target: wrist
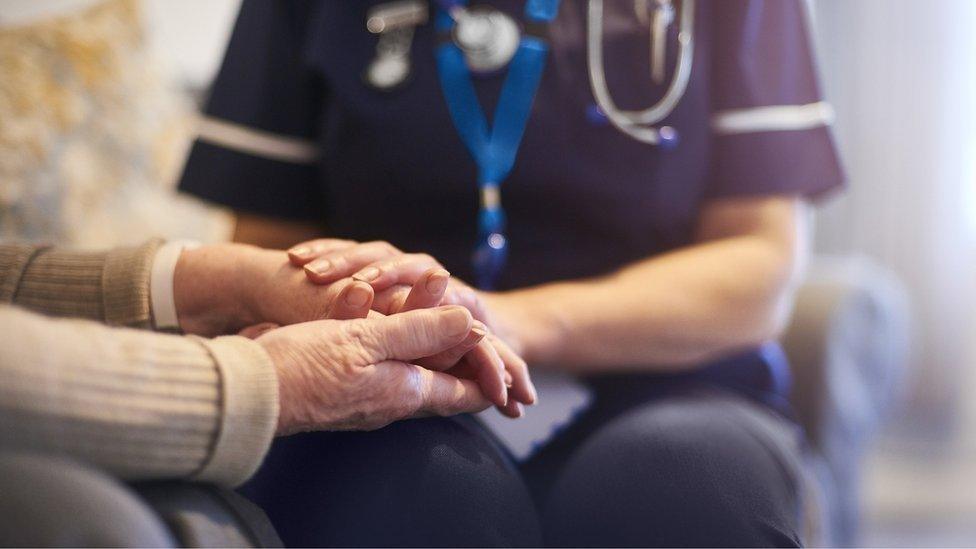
287 399
206 290
527 323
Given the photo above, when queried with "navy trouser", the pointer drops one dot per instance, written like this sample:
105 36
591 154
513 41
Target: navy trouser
666 464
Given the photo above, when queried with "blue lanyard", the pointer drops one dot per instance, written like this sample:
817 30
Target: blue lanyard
493 149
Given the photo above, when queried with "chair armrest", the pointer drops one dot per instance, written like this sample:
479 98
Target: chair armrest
847 344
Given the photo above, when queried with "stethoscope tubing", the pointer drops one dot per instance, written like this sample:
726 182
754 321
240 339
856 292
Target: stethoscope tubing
638 124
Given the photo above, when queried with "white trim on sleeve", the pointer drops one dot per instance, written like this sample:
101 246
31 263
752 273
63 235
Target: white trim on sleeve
256 142
161 294
773 118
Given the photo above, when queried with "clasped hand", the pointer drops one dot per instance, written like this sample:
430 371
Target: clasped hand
352 353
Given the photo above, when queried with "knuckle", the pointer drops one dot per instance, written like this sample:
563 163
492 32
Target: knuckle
338 260
399 298
406 393
384 247
399 262
415 391
359 339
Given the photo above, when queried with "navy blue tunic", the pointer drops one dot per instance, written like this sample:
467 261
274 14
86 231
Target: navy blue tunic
582 200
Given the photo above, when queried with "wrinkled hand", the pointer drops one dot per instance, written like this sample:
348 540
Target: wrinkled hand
363 374
391 274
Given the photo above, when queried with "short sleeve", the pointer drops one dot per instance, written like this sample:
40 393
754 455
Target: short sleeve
770 123
257 141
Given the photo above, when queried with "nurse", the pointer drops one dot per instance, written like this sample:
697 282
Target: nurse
658 275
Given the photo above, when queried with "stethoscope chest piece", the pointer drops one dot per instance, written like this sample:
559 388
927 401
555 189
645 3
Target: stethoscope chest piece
488 38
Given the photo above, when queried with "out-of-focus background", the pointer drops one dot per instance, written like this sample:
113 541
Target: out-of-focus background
97 102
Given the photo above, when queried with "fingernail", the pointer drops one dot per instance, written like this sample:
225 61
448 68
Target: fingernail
319 266
368 274
518 410
357 296
437 282
456 320
508 379
479 329
300 251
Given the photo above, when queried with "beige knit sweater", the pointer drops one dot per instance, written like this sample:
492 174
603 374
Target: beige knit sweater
138 404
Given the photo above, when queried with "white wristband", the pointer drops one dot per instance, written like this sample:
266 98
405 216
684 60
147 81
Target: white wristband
161 292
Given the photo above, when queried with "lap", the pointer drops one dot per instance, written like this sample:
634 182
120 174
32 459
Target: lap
419 482
681 468
695 468
52 501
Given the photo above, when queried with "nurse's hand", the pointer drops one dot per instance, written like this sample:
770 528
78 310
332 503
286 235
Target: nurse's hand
225 288
392 273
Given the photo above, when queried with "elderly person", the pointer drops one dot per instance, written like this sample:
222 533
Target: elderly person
78 396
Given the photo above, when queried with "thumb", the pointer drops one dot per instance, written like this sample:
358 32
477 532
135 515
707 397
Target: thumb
415 334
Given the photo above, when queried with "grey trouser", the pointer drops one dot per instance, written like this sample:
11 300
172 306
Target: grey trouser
52 501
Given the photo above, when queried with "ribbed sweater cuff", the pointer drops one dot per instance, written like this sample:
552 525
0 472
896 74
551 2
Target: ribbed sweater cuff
111 287
249 403
125 285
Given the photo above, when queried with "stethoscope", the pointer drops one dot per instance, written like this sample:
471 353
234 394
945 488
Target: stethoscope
481 40
641 124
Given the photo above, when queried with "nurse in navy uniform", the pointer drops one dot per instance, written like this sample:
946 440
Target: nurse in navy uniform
658 274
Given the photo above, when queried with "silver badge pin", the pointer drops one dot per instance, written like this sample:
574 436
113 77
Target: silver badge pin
394 23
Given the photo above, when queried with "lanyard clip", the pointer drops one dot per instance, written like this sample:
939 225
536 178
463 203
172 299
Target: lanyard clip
491 253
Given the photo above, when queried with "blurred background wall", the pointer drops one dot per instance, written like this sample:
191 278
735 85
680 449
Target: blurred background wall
902 78
900 73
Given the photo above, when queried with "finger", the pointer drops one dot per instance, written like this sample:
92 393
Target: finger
521 388
513 409
428 291
459 293
451 357
483 363
257 330
302 253
446 395
341 263
391 300
353 301
401 269
411 335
